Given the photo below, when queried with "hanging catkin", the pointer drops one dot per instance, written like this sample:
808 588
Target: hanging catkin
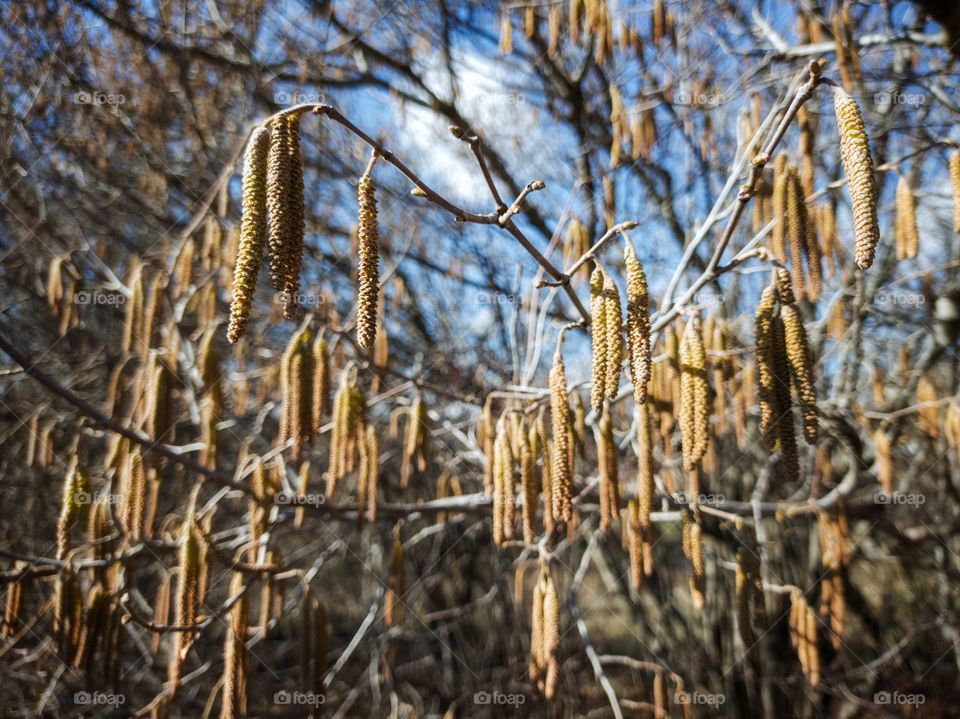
638 324
279 203
803 636
187 598
801 369
645 485
694 395
796 229
538 662
528 483
369 273
613 323
321 382
778 237
609 486
907 238
503 485
253 230
693 549
551 635
394 608
293 249
861 183
561 467
955 184
235 653
784 422
766 391
133 320
75 508
599 339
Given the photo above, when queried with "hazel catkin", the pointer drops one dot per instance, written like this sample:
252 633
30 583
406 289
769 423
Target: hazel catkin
253 232
638 325
562 470
861 183
369 273
694 395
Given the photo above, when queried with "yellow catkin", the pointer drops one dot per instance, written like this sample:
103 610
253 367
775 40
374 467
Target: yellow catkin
293 248
907 237
635 544
766 391
279 203
609 486
613 323
955 185
77 496
135 497
694 395
394 609
503 484
599 339
693 549
187 600
561 467
638 325
368 242
234 653
784 422
528 483
11 604
803 634
801 370
778 237
321 382
414 446
645 485
551 636
253 233
538 664
371 453
861 183
797 222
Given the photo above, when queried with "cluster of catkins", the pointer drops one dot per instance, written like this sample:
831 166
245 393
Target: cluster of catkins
784 363
273 222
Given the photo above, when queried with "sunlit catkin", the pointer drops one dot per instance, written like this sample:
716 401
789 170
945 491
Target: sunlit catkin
694 395
503 485
784 421
693 549
766 391
528 484
613 324
645 484
187 597
561 467
551 635
797 222
778 237
861 183
907 238
321 382
955 184
293 248
369 272
638 325
234 653
599 339
801 370
609 486
279 203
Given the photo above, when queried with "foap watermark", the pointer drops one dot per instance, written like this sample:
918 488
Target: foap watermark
509 98
99 699
99 297
499 699
82 497
97 97
899 98
301 299
899 699
913 500
699 699
708 299
699 98
299 97
704 498
309 699
899 299
499 298
298 500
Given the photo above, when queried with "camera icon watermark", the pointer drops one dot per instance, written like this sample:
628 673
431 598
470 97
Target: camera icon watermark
899 498
96 97
699 699
310 699
703 498
287 499
699 98
499 699
98 297
99 699
899 699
